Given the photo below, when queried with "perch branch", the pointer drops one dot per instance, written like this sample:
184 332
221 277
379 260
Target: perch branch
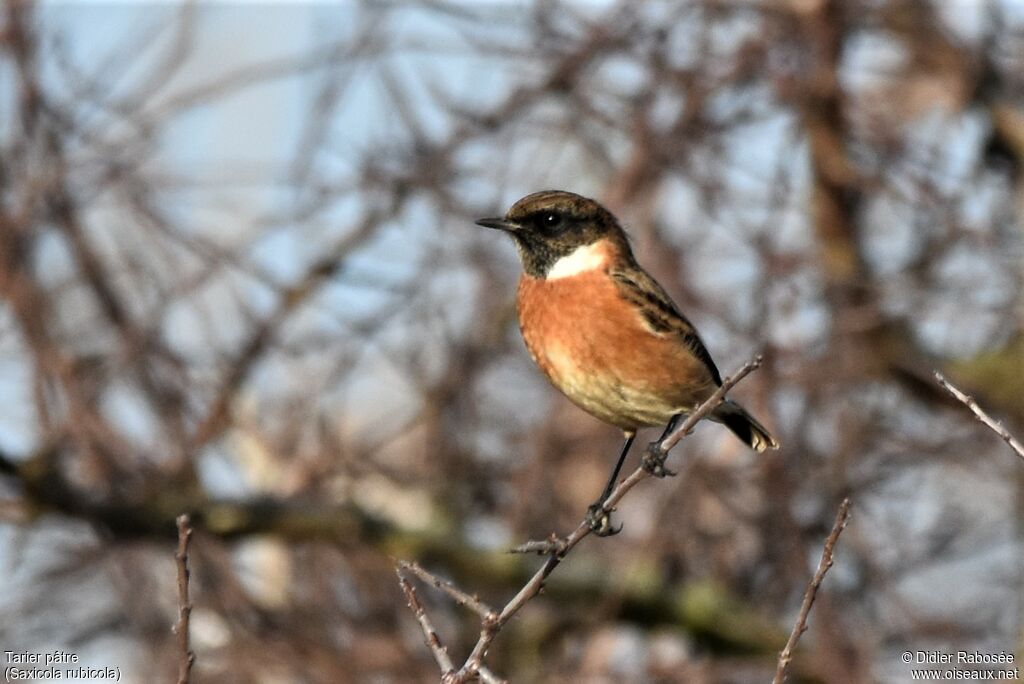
553 544
842 517
555 548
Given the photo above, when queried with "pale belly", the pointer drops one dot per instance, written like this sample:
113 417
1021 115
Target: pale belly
615 400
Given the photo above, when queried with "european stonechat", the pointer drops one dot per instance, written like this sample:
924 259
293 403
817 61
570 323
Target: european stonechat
604 332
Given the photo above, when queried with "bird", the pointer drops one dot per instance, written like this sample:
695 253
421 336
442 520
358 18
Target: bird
606 334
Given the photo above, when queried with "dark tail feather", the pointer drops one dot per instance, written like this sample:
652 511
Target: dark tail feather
736 418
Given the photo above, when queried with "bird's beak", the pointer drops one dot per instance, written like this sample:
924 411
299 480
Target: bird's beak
498 224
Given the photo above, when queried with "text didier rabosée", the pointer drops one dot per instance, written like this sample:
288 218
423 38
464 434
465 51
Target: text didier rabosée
963 657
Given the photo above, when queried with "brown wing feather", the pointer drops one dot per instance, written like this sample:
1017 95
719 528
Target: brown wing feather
661 313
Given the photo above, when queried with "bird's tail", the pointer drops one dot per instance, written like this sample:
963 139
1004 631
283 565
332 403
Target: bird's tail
744 426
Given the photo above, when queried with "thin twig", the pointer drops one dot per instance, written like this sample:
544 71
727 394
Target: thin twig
444 661
553 544
460 597
842 517
541 548
185 655
981 415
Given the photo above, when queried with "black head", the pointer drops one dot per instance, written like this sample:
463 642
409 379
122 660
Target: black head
551 224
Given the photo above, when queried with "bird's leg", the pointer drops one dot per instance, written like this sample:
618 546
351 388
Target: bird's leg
654 456
599 518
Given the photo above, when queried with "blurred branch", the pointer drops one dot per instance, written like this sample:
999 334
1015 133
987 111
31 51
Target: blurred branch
46 488
980 414
491 622
217 416
185 655
696 608
842 517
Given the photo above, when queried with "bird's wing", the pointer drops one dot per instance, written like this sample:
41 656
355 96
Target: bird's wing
660 313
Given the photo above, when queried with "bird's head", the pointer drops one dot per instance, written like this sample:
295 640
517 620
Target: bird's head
553 228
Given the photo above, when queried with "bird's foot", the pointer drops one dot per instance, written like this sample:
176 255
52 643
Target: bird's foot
653 461
599 519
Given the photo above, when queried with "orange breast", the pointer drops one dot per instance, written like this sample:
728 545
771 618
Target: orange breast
597 349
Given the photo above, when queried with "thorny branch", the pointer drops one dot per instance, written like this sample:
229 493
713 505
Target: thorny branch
981 415
555 548
842 517
460 597
444 661
185 655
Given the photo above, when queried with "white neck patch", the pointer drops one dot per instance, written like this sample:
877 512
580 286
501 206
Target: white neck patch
580 260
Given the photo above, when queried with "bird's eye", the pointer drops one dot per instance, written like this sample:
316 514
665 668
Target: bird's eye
550 219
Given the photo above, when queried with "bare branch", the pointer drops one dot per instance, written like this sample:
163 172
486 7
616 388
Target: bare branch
981 415
842 517
433 641
553 544
185 655
558 548
460 597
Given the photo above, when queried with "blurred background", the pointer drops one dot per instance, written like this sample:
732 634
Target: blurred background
239 277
